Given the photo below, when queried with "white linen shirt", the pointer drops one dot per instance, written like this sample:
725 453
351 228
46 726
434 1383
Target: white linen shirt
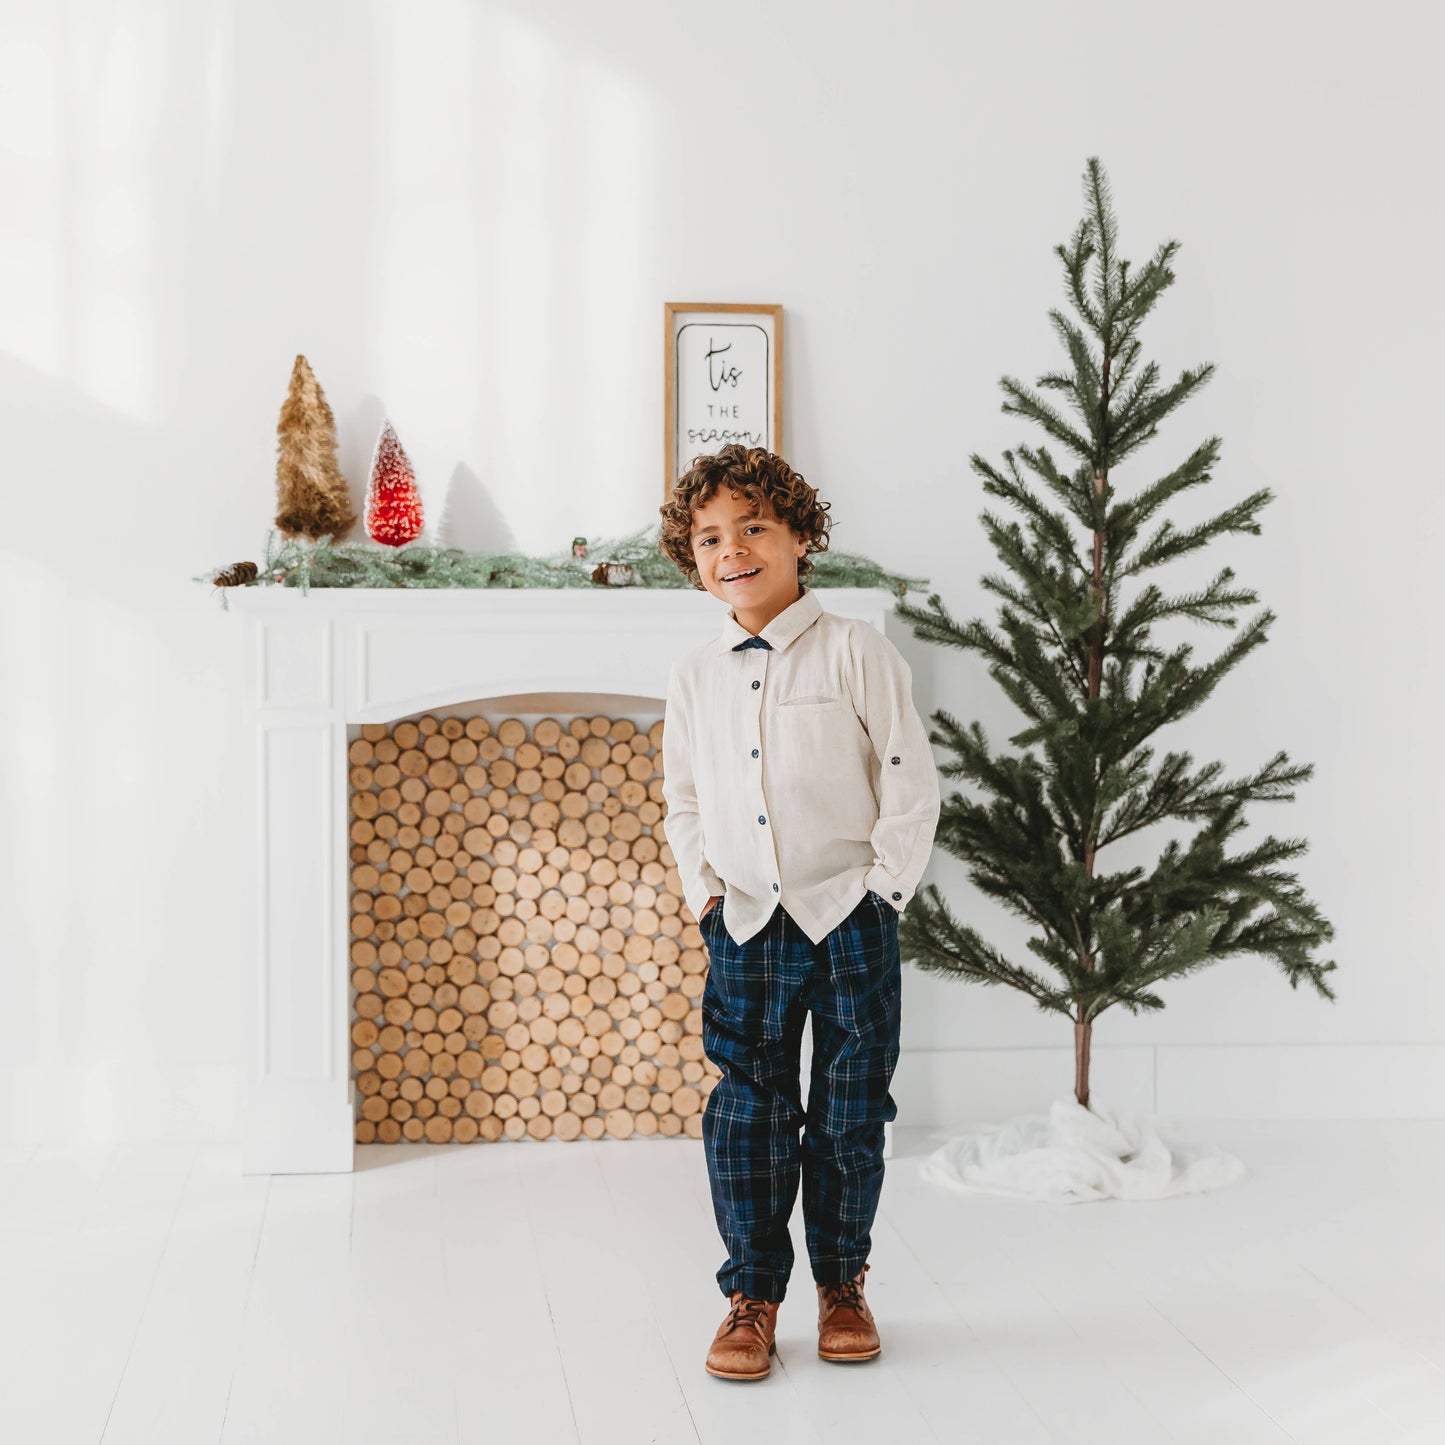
800 775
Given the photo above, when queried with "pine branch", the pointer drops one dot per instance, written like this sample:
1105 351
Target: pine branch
1013 844
1122 369
937 943
1212 605
1182 951
1055 580
1127 399
937 625
1026 403
1105 231
1050 694
1050 526
1206 881
1186 688
1129 516
1145 415
1070 653
1168 543
1076 257
1086 381
1152 280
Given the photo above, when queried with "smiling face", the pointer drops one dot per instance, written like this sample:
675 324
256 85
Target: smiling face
748 560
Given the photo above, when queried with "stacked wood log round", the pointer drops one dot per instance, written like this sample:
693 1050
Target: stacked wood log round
523 965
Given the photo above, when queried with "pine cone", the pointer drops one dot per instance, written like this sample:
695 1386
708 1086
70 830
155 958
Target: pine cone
236 576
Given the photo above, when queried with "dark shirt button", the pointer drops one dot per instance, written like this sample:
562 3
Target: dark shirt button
775 887
756 685
761 819
897 896
896 760
755 752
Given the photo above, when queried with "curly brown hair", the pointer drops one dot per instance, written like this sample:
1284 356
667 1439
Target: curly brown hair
759 475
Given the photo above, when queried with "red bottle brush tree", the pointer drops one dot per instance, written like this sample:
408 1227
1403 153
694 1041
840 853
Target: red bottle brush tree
393 504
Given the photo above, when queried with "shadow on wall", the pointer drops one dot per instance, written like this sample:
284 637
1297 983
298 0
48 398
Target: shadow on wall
470 518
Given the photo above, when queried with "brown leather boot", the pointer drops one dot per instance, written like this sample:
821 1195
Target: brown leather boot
745 1340
846 1330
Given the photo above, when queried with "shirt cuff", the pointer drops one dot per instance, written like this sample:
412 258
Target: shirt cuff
886 886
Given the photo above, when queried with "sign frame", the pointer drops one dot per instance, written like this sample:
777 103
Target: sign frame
676 315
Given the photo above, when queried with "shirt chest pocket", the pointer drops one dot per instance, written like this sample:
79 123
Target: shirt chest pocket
818 750
813 718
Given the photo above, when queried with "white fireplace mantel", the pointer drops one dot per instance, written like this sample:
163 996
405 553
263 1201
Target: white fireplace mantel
320 662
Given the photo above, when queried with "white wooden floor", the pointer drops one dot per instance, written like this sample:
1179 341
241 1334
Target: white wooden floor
540 1293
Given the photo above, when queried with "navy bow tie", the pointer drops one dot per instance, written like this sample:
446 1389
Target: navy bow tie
753 642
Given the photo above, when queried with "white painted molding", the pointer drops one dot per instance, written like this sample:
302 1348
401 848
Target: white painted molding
952 1088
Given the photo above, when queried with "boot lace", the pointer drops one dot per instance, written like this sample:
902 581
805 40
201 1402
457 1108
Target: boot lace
849 1293
748 1311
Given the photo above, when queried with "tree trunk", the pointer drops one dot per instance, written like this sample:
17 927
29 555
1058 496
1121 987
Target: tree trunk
1082 1033
1083 1028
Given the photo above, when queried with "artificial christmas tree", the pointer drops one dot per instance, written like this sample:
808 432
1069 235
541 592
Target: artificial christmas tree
312 496
1075 654
393 504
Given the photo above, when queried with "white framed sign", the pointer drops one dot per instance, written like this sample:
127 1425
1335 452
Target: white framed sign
724 380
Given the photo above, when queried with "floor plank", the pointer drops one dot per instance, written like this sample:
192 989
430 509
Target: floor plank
676 1267
299 1349
504 1352
620 1377
83 1235
180 1368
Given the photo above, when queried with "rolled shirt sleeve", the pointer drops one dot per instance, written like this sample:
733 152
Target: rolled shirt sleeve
908 792
683 825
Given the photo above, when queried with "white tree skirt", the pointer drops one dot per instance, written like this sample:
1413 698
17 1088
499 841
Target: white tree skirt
1074 1154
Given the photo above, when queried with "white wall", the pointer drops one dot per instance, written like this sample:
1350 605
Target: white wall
468 217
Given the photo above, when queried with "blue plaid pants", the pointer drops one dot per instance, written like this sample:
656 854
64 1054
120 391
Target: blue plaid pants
754 1004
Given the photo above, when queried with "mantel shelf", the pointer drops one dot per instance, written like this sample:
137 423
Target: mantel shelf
611 602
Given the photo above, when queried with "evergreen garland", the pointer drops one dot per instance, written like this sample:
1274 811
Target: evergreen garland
297 562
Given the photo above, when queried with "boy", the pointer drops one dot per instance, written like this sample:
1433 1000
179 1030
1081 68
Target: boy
802 799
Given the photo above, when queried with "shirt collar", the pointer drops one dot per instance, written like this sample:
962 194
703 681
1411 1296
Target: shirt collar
790 623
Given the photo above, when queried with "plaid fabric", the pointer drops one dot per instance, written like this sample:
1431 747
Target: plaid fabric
755 1001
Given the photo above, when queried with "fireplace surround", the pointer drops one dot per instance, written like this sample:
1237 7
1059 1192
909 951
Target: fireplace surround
320 664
